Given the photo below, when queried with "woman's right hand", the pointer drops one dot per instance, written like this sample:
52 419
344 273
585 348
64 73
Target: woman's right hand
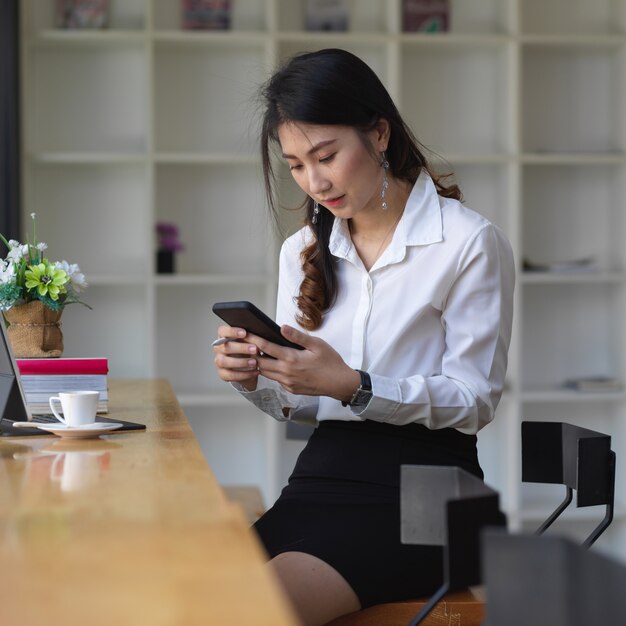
235 359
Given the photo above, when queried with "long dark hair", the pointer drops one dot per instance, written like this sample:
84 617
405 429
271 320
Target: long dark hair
333 87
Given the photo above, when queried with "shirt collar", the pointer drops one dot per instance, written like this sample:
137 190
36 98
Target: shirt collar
420 225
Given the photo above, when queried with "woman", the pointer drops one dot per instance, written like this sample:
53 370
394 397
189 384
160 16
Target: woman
402 298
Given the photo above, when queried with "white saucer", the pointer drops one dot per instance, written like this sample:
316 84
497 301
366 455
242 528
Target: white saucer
78 432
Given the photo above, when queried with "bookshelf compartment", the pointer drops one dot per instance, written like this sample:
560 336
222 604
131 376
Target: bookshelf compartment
246 15
211 204
571 331
219 83
90 99
482 16
115 329
93 202
229 438
575 212
580 17
469 84
364 16
185 328
486 189
573 99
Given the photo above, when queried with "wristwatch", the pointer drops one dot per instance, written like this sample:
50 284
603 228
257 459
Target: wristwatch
363 394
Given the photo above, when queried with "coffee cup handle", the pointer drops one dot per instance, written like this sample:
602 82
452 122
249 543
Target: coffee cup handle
51 402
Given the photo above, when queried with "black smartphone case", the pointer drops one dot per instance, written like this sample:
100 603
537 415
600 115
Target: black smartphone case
244 314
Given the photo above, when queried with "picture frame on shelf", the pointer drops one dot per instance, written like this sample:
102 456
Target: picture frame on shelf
206 14
426 16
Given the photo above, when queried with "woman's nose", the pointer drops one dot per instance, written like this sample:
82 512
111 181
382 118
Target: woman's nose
318 183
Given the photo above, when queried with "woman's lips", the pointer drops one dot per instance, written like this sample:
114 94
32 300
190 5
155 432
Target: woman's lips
333 203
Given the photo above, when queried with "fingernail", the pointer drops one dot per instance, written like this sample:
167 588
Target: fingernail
252 349
252 363
241 333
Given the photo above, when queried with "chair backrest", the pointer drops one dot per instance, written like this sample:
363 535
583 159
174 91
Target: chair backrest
550 581
447 506
579 458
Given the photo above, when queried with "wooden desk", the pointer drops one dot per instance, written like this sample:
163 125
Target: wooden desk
131 528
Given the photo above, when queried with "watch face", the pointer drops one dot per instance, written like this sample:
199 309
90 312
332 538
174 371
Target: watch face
362 397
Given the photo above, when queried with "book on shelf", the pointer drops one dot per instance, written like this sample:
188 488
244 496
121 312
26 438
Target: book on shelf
326 15
585 264
594 383
42 378
206 14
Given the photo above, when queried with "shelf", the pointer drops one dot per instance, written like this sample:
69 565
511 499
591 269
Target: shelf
189 158
199 280
568 278
87 158
59 38
523 100
558 395
183 38
582 158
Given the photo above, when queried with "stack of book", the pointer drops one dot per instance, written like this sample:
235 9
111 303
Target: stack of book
42 378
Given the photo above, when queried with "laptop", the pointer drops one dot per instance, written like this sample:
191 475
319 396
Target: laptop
13 405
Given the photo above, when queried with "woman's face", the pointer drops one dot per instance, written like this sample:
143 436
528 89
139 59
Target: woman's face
333 166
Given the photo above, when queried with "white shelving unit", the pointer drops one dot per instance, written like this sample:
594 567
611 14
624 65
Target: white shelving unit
146 122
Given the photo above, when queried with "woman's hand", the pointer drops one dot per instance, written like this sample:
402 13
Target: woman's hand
318 370
236 359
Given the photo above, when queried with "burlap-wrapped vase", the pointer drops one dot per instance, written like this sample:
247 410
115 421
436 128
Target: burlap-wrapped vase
34 330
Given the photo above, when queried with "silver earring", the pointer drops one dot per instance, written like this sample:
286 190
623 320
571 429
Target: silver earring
316 211
385 166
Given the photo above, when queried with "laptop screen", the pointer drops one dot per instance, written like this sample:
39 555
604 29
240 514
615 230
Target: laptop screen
12 400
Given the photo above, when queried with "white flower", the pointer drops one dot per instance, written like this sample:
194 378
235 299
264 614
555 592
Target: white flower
41 246
13 243
77 278
7 273
33 215
17 252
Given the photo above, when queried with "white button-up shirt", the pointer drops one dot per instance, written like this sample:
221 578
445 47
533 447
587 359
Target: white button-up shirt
430 322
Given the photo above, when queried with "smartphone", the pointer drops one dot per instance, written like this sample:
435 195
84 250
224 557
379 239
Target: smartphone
244 314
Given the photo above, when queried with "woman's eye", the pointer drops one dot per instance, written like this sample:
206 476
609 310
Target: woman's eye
295 167
326 159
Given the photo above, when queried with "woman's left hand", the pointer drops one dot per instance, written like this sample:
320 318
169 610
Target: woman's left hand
318 370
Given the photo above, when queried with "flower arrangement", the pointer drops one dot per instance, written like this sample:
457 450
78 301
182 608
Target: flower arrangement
27 275
167 237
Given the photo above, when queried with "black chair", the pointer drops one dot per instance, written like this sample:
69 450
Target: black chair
450 507
579 458
550 581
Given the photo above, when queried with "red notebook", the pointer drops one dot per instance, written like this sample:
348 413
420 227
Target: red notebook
63 366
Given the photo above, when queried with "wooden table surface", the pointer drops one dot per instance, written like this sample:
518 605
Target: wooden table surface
130 528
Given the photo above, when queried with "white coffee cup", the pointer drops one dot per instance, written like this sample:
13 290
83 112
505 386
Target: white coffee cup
78 407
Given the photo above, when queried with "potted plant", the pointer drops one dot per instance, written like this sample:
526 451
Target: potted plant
33 293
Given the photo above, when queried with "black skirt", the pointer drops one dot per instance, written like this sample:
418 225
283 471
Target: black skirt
342 505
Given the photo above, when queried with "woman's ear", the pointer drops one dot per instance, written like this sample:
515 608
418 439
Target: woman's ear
383 130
